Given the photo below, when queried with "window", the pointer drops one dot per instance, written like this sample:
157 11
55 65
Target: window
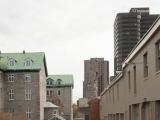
28 113
118 92
158 55
28 94
11 62
50 83
11 110
135 87
28 62
59 81
129 81
55 112
145 63
59 92
11 77
50 92
47 92
11 94
113 94
27 77
47 82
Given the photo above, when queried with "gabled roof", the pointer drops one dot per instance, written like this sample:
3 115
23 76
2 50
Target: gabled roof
50 105
37 58
59 80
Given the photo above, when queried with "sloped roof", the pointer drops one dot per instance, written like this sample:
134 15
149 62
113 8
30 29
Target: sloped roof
60 80
37 58
50 105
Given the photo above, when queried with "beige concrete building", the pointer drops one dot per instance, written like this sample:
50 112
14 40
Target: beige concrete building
96 77
134 93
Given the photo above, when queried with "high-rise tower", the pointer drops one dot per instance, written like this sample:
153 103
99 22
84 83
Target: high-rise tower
96 77
129 28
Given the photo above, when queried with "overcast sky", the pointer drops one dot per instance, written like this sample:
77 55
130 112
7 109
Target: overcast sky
68 31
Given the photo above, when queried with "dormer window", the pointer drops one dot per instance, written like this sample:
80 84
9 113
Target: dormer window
59 81
28 62
12 62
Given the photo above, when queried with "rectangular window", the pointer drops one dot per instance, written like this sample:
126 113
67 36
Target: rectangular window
11 77
48 92
118 92
158 56
28 94
59 92
28 113
135 84
145 64
113 94
11 94
129 81
27 77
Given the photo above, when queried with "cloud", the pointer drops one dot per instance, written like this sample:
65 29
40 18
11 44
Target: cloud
69 31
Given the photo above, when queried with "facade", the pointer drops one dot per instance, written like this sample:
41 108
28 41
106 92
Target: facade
94 113
83 107
129 28
22 84
9 116
134 93
96 77
59 92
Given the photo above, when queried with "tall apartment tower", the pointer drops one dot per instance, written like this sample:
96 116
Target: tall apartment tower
96 77
129 28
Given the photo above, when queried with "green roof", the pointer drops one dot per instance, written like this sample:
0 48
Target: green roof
37 60
59 80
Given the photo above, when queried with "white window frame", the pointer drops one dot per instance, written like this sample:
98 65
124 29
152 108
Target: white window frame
11 94
11 77
11 62
28 78
28 62
28 94
28 113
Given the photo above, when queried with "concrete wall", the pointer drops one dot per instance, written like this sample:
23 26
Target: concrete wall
122 102
1 92
42 91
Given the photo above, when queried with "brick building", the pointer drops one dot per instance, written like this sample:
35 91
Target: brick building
59 92
94 111
22 84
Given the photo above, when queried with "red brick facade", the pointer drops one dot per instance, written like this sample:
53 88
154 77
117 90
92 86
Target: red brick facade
94 113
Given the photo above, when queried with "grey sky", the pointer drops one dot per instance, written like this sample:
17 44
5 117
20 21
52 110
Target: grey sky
68 31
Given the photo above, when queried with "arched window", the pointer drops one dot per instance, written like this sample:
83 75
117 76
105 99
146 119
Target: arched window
59 81
12 62
28 62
